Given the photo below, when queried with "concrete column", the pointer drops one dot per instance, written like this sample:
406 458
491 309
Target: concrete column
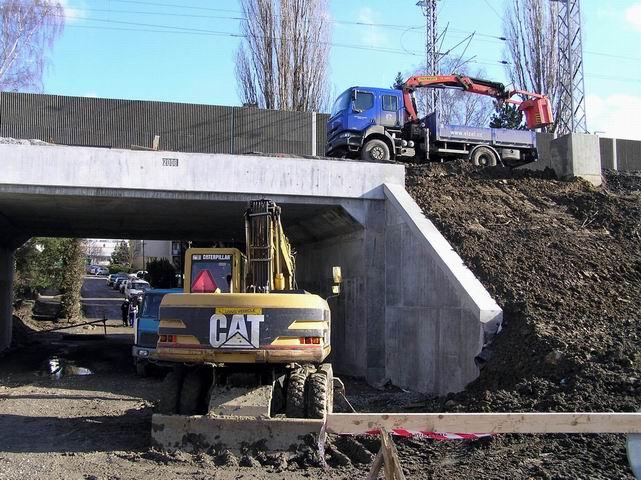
577 155
6 296
313 139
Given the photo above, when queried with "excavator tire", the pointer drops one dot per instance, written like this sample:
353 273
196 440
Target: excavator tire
320 394
295 401
191 393
168 402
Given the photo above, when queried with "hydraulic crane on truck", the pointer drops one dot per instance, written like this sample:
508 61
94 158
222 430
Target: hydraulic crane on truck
537 109
379 124
243 339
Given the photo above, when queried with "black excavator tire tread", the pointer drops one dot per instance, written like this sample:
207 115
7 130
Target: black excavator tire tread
191 393
295 401
317 395
170 391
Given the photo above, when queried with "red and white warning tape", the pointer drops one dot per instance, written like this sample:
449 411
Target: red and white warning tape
401 432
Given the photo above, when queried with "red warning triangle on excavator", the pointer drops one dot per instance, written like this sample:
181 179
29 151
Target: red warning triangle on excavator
204 283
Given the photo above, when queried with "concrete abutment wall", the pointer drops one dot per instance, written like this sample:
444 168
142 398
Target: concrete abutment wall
410 311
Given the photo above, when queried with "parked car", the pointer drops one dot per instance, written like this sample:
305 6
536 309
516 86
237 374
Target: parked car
100 270
119 280
91 268
146 328
136 287
111 279
130 278
141 273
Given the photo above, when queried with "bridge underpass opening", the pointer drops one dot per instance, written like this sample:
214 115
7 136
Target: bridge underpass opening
208 222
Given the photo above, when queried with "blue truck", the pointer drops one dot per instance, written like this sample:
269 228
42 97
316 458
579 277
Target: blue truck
146 328
380 124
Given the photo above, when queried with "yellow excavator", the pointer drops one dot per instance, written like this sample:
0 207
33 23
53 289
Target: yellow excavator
243 339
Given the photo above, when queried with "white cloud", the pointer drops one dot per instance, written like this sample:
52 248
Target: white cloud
72 13
615 115
372 36
633 16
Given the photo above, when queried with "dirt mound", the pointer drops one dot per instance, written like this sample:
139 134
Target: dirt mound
624 183
563 259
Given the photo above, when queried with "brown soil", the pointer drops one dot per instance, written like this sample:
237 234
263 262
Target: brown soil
563 259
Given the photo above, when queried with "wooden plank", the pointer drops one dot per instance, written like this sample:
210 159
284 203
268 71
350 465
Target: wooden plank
357 423
387 455
376 466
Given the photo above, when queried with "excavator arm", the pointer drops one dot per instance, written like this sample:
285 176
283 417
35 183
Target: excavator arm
270 259
537 109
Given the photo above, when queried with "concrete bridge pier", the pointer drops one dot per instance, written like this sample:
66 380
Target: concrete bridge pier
6 295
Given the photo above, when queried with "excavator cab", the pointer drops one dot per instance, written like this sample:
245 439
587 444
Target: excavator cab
214 270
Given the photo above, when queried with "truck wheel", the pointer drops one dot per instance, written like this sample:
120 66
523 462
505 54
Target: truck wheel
375 150
320 394
295 402
191 393
483 157
168 402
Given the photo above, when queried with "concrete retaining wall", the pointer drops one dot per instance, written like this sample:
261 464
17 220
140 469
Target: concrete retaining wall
438 315
410 311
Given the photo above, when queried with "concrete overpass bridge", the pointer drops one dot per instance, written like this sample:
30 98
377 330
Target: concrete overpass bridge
410 310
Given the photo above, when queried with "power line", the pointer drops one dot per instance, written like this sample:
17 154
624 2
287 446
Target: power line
173 5
154 28
494 10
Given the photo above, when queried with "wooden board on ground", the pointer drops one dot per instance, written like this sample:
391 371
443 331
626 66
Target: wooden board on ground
358 423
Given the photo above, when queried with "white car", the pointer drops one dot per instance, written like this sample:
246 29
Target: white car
136 287
100 270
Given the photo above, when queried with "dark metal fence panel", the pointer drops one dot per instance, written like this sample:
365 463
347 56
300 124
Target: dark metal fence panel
182 127
629 154
271 131
607 159
321 132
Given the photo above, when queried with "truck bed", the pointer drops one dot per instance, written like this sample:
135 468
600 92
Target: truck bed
499 137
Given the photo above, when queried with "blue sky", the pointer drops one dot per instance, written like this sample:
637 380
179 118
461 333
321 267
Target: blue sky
135 49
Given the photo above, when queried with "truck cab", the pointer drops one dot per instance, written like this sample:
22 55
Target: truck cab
365 112
146 327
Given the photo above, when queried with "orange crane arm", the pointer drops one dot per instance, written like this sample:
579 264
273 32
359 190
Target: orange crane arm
537 109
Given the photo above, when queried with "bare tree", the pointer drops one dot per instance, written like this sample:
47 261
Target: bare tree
531 29
458 107
283 60
28 29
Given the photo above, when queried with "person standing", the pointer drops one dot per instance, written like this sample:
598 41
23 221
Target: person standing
133 312
124 309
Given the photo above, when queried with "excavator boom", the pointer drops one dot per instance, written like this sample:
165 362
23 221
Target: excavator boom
537 108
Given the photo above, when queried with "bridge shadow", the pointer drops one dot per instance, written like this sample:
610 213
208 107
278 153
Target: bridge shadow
126 432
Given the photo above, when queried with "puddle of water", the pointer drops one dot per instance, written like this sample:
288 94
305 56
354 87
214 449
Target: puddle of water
58 367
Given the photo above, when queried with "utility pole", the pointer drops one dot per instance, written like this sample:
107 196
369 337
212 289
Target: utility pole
571 109
431 48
